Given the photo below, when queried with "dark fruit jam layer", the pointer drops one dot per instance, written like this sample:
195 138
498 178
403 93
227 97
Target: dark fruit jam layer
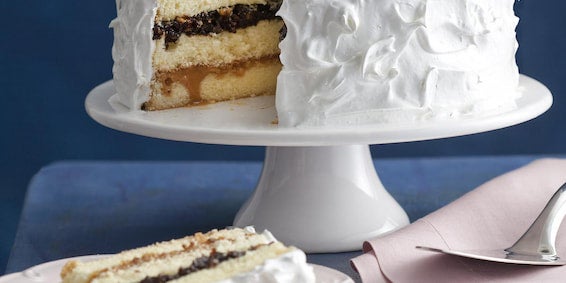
199 264
224 19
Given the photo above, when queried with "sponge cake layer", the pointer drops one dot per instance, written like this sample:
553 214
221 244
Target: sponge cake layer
200 84
219 49
169 9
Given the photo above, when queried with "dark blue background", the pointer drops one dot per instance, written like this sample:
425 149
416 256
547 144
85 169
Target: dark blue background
52 53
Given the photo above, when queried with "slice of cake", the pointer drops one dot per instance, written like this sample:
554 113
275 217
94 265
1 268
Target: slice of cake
229 255
174 53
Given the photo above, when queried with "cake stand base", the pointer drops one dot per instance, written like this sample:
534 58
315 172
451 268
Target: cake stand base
318 189
321 199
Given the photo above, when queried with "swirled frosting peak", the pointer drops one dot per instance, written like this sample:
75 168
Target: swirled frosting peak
366 61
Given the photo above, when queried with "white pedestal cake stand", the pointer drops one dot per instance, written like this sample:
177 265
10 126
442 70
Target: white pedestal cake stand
318 189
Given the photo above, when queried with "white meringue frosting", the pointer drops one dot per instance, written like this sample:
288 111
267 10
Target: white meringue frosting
133 51
366 61
291 267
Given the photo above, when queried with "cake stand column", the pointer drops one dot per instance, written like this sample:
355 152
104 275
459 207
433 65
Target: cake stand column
321 199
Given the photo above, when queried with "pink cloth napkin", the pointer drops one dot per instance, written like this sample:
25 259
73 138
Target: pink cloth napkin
492 216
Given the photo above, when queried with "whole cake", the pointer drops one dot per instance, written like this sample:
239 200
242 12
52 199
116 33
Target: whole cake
174 53
227 256
360 61
345 62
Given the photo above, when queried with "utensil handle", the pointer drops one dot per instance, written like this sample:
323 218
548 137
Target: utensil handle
541 237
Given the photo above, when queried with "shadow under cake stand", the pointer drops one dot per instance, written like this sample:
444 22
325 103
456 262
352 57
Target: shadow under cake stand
318 189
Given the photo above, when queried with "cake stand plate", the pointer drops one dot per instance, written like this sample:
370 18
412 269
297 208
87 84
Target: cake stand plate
318 189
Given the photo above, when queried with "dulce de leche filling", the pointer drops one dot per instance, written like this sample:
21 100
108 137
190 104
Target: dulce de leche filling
191 78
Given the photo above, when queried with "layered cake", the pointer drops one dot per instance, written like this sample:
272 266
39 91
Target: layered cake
227 256
174 53
345 62
357 62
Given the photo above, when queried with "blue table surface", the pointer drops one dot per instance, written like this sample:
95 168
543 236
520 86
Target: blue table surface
81 208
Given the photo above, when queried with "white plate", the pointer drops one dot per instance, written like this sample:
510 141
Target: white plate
249 122
49 272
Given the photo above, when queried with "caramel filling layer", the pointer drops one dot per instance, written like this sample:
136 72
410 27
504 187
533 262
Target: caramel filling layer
191 78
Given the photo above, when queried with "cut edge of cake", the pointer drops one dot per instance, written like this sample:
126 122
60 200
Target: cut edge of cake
171 53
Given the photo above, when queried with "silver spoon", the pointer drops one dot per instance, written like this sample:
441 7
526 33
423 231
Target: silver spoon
535 247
